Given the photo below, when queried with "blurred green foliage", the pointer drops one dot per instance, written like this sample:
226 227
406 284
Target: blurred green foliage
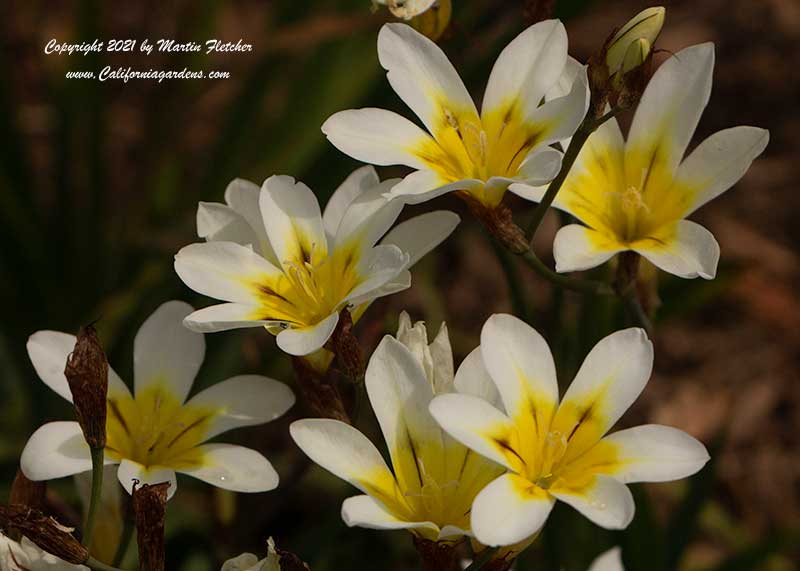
74 250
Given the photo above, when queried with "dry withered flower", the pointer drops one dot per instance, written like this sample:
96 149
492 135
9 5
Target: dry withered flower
150 510
26 492
44 531
87 375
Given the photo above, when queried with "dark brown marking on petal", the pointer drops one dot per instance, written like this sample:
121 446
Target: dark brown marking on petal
196 423
112 404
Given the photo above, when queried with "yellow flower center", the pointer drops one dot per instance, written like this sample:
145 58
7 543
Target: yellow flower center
308 290
154 429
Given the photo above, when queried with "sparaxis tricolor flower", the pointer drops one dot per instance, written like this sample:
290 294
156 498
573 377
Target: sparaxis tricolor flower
558 451
434 478
155 432
477 155
635 195
279 263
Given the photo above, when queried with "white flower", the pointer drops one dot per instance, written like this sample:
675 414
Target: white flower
558 451
27 556
611 560
635 195
479 155
281 264
249 562
154 432
434 478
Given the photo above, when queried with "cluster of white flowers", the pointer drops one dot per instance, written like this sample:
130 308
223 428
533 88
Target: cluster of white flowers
483 450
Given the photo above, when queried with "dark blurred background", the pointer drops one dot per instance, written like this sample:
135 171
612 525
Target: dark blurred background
99 184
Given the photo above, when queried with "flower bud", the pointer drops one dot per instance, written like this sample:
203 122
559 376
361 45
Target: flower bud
45 532
87 375
407 9
150 511
434 21
646 25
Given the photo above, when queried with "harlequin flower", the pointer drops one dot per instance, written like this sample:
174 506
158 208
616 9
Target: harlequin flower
155 432
635 195
477 155
434 478
27 556
279 263
559 451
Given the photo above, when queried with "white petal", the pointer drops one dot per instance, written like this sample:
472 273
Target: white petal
606 502
509 510
302 341
244 400
577 248
566 80
425 185
420 73
223 270
528 67
442 360
520 363
131 472
691 251
224 317
472 378
221 223
364 511
610 379
475 423
48 351
669 111
293 220
369 216
167 353
561 117
342 450
540 167
234 468
654 453
243 196
55 450
611 560
419 235
382 264
719 162
376 136
357 182
400 393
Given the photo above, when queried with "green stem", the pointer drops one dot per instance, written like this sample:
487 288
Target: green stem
482 559
98 458
572 284
93 563
588 126
634 307
124 541
512 279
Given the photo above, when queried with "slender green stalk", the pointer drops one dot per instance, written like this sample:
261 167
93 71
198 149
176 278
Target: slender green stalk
98 457
482 559
93 563
632 304
124 541
572 284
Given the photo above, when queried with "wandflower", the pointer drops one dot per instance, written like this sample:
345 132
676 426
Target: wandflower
155 432
477 155
635 195
434 478
559 451
279 263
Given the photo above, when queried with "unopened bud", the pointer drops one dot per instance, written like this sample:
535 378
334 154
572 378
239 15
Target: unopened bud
637 54
87 375
45 532
646 25
26 492
344 344
150 512
434 21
